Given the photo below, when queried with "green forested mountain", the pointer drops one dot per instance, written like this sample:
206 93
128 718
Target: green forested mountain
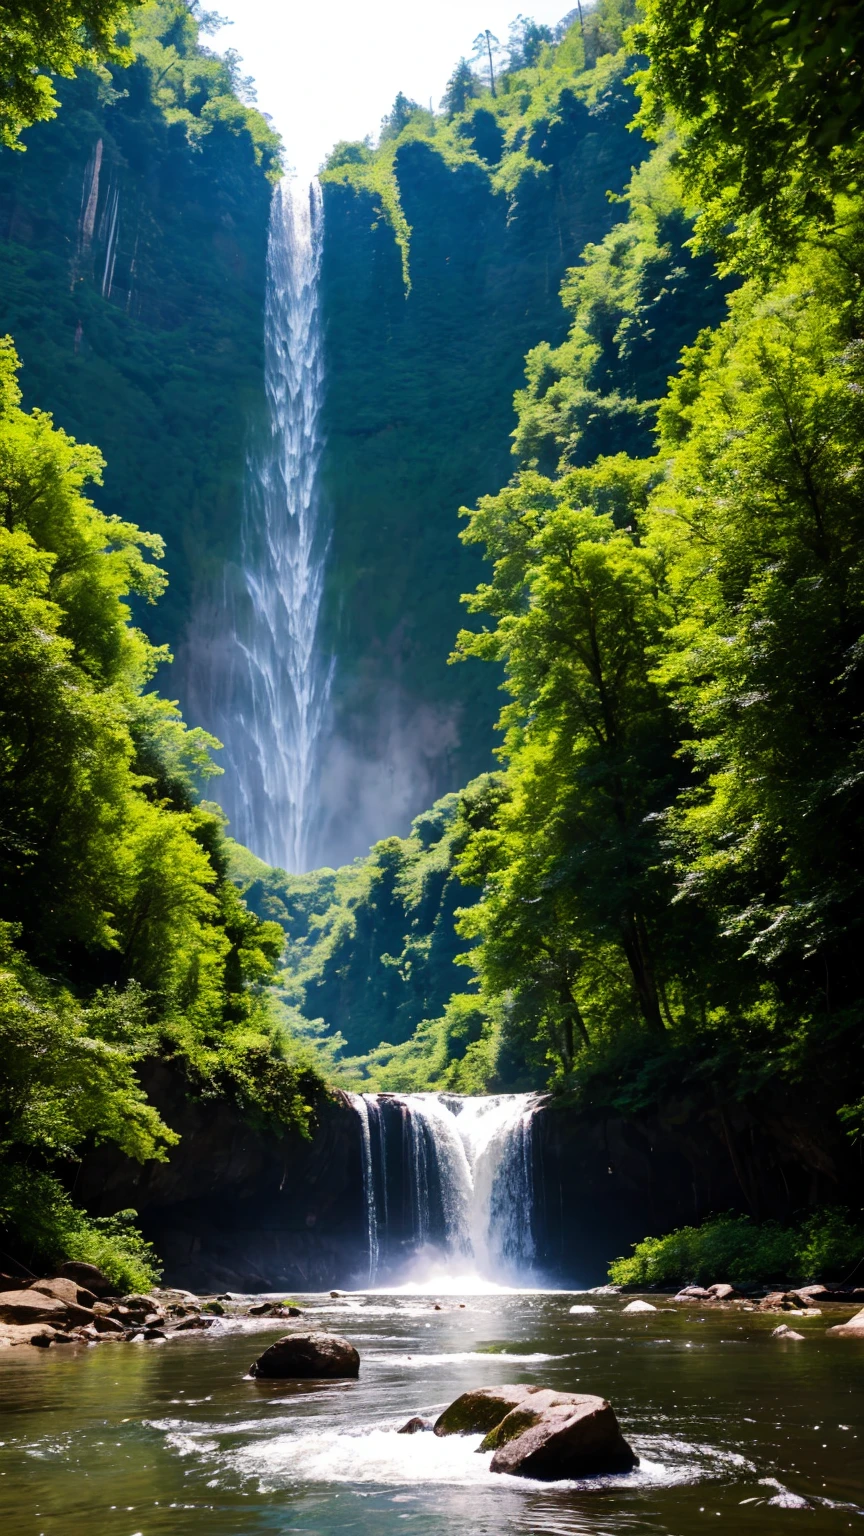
669 875
659 889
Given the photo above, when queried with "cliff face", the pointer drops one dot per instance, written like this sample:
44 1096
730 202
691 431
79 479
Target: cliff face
418 419
132 267
241 1208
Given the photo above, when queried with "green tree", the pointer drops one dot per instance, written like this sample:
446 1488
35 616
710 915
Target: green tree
761 519
400 114
41 38
486 48
461 88
769 101
527 40
573 871
113 873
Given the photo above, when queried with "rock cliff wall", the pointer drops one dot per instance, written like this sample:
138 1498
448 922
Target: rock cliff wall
240 1208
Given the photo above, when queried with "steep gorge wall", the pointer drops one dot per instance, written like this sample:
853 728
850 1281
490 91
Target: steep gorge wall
418 419
132 267
241 1208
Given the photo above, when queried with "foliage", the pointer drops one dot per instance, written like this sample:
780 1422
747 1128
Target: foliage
637 298
41 38
122 938
132 272
677 838
497 204
825 1245
371 947
768 100
38 1217
461 88
196 88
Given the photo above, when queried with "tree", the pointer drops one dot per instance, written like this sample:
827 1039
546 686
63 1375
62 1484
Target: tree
484 44
769 99
461 88
398 117
527 40
575 879
43 37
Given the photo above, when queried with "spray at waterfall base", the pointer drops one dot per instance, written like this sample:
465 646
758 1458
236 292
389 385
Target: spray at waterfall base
448 1184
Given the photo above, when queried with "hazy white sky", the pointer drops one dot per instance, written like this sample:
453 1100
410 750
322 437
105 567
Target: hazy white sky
329 69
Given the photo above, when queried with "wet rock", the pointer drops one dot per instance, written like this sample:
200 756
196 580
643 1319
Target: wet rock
640 1306
555 1435
267 1309
479 1411
31 1306
785 1332
693 1293
215 1308
309 1356
722 1292
808 1294
335 1294
781 1301
88 1276
854 1328
293 1311
192 1324
416 1426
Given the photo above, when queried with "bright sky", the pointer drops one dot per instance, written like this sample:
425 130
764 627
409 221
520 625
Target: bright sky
330 69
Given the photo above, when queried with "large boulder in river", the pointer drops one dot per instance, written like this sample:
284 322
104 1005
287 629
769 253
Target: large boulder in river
475 1413
556 1435
309 1357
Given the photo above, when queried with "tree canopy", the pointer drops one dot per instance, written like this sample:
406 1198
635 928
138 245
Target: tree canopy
41 38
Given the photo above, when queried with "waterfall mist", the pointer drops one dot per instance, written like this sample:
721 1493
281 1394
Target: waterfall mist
254 674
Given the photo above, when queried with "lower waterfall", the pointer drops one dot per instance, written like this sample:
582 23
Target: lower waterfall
448 1184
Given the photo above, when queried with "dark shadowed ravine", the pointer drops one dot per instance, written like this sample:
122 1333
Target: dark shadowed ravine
735 1430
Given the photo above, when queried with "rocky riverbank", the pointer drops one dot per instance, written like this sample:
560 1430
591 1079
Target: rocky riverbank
79 1305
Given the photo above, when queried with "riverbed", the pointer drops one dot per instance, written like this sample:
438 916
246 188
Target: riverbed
735 1430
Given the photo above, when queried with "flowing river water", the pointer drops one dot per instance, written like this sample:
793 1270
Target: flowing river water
735 1430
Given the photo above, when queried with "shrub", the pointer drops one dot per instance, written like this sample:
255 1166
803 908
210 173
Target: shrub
827 1244
49 1229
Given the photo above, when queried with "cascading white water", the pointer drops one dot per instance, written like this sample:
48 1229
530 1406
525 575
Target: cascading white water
255 676
466 1167
363 1110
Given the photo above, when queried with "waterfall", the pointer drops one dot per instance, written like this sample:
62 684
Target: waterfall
449 1185
364 1109
255 676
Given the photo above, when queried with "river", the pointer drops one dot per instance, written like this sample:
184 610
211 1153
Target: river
175 1438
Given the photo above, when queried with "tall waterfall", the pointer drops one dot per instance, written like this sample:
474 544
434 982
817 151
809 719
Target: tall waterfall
448 1183
256 677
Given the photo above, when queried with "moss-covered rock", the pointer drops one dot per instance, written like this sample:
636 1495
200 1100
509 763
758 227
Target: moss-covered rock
479 1411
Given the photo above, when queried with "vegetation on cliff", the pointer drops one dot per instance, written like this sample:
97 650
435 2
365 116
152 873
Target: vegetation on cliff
669 876
121 937
133 236
504 130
